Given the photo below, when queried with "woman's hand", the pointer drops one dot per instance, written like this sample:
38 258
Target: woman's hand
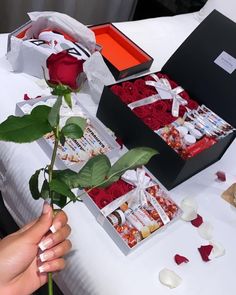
28 254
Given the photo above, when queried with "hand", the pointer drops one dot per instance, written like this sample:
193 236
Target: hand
28 254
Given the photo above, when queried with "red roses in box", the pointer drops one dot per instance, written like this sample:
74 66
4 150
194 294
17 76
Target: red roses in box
157 113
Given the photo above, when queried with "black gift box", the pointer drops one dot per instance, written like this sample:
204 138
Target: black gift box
122 56
192 66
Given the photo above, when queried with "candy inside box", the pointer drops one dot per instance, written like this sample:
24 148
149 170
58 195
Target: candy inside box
186 111
75 152
133 209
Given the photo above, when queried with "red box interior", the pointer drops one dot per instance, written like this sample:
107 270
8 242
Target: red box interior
21 35
117 48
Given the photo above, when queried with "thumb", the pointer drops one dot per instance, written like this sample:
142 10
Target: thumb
38 230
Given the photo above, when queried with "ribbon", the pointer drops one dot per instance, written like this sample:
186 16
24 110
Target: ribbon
165 91
138 178
139 196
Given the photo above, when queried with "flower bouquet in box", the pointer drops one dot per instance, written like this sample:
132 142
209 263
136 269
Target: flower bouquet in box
135 205
167 109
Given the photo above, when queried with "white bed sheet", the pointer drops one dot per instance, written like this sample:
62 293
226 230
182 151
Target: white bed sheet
96 266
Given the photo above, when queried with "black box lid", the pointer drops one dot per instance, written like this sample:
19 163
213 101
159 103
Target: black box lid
193 66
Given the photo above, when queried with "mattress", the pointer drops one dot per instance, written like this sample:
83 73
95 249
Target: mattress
96 266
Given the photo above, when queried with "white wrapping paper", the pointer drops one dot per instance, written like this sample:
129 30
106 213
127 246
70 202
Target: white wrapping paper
26 57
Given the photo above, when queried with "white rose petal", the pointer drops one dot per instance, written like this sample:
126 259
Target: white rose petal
205 230
169 278
189 215
189 207
217 251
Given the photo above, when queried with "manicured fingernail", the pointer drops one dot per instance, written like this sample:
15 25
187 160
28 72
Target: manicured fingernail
55 227
43 268
46 208
46 256
45 244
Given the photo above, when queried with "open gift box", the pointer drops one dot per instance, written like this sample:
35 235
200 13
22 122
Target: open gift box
75 152
46 33
204 65
122 56
132 209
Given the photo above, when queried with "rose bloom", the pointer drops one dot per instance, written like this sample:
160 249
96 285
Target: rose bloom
65 69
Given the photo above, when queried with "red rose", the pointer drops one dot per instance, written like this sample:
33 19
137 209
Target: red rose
118 188
64 69
117 90
142 112
152 123
129 88
192 104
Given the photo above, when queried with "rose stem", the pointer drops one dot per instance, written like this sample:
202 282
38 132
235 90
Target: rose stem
50 172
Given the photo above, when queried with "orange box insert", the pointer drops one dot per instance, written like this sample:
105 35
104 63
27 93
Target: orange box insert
122 56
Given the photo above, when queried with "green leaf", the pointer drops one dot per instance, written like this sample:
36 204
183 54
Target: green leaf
54 115
59 200
67 97
67 176
62 189
94 171
72 131
81 122
34 185
133 159
45 190
62 139
27 128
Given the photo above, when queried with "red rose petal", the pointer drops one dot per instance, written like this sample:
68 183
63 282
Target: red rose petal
221 176
205 251
120 142
26 96
197 221
180 259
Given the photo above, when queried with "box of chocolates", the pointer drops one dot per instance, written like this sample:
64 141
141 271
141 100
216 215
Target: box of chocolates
186 111
75 152
133 209
122 56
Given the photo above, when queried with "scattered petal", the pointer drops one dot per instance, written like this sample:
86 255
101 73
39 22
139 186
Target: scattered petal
169 278
26 96
217 251
120 142
205 230
180 259
205 252
189 207
197 221
221 176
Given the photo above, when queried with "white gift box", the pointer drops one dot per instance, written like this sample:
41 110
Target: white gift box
74 153
30 45
140 201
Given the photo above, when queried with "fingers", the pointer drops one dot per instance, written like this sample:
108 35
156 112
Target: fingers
60 219
51 266
35 232
55 238
56 252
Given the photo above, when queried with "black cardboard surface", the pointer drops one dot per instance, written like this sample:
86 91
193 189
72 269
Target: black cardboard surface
199 80
193 67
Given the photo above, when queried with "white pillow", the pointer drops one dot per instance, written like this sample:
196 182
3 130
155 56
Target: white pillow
226 7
